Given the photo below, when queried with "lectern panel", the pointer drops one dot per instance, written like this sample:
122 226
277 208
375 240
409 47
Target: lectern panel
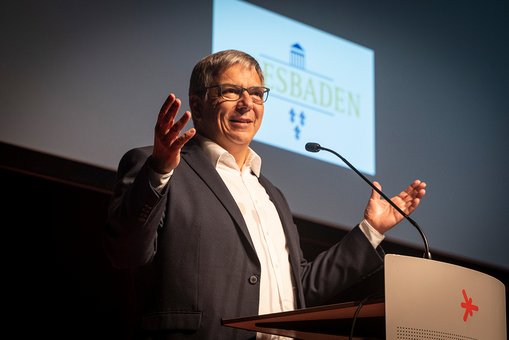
427 299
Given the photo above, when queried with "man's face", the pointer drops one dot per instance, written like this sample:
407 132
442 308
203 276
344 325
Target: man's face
232 124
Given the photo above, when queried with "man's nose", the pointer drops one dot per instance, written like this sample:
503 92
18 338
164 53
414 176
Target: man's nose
245 100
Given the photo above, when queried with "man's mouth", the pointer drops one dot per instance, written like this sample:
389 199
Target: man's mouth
241 121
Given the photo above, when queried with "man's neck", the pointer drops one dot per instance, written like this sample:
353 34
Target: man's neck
239 152
240 156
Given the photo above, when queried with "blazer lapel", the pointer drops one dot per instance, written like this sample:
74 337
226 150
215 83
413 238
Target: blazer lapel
193 155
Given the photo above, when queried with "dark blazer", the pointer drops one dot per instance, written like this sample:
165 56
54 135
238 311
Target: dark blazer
194 259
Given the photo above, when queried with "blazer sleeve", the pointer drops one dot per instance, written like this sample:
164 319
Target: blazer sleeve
135 213
338 268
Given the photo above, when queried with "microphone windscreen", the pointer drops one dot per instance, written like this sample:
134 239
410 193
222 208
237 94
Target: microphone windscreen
313 147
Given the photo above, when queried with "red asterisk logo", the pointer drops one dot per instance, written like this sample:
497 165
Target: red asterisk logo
469 307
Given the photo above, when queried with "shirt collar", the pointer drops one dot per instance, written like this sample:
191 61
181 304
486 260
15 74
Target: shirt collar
218 155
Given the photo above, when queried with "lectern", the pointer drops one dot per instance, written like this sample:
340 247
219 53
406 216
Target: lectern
424 299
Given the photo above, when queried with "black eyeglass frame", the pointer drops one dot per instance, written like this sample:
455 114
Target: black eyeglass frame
240 90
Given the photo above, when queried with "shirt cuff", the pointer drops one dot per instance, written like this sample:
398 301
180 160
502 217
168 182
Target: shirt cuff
158 181
373 236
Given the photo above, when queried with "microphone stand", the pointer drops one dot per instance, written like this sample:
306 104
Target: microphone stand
315 147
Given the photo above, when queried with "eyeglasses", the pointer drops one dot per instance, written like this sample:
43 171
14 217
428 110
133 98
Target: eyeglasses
259 94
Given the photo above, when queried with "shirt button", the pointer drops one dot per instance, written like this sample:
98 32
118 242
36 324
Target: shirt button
253 279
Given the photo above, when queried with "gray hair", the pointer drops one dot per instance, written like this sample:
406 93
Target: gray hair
210 67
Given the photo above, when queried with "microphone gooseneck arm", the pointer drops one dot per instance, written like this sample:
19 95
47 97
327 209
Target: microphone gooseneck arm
315 147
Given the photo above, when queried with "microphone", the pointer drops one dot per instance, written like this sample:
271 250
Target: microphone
315 147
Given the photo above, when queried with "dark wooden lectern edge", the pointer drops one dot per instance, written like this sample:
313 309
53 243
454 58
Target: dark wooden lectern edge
268 323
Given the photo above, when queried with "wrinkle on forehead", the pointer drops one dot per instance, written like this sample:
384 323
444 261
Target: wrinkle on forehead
232 74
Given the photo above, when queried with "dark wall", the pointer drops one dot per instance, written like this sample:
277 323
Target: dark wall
57 280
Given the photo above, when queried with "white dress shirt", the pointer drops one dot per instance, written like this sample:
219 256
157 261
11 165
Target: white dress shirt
263 223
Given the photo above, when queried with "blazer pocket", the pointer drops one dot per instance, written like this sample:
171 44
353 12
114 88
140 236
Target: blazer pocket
175 320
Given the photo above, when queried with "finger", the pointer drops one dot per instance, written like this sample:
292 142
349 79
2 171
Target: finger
172 111
166 105
415 184
179 143
374 194
176 128
419 190
167 113
413 190
418 185
411 205
183 139
422 189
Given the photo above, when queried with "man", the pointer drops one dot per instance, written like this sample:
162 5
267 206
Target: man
209 236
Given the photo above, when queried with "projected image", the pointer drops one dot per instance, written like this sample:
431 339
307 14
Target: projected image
321 86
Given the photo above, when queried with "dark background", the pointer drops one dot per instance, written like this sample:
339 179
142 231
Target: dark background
57 280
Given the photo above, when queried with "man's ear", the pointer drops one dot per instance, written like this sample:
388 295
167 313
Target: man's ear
196 106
